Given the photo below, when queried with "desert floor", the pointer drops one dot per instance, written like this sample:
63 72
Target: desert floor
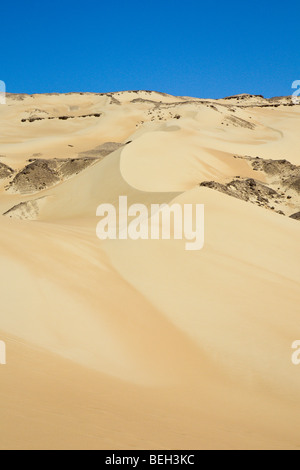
124 344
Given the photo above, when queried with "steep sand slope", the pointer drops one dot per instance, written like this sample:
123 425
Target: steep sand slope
141 344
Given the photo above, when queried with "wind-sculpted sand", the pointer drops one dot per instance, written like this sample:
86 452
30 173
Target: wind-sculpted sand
124 344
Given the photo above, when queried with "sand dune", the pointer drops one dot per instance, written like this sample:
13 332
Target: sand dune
141 344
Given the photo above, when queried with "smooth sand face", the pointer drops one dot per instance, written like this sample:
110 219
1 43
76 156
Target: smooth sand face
141 344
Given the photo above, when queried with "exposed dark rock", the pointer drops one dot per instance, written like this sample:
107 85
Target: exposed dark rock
43 174
238 122
293 183
25 210
5 171
36 176
113 100
296 216
282 168
245 189
244 96
61 118
282 177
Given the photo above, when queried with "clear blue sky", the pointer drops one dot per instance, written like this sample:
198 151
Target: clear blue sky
186 47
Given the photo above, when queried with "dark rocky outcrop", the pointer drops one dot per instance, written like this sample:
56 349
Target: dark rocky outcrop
43 174
278 193
61 118
25 210
281 168
5 171
246 189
